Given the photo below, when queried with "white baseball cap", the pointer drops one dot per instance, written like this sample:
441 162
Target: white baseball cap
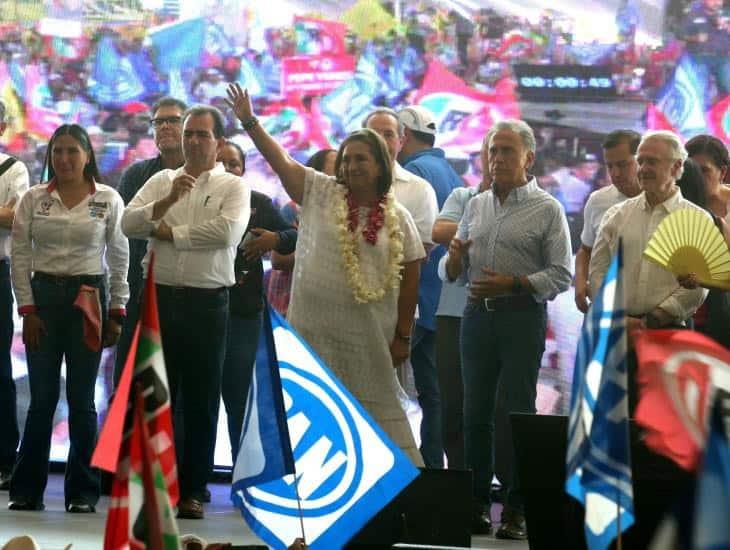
419 119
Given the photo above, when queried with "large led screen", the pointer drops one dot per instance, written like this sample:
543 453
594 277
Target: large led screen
573 69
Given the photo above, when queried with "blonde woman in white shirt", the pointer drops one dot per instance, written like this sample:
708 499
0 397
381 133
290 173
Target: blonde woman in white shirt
66 236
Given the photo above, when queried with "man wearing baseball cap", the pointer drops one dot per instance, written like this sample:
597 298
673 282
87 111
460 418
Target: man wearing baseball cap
419 156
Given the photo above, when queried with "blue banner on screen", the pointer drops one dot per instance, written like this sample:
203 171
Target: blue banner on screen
340 485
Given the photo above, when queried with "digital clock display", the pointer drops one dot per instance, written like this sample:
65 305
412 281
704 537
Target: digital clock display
563 82
566 82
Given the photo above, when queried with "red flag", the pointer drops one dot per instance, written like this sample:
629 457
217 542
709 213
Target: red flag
106 453
145 366
719 119
142 459
679 371
657 120
87 300
463 113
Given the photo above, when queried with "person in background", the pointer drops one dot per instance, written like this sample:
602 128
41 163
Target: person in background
167 130
266 231
66 239
14 181
412 191
280 278
619 150
703 184
448 322
420 157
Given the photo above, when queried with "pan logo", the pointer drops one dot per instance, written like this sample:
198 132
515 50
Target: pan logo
329 435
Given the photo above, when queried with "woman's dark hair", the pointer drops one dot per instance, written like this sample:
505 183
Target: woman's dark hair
318 159
711 147
91 171
241 154
378 149
692 184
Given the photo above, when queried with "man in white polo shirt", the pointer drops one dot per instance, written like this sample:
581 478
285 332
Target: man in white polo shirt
619 152
194 218
13 182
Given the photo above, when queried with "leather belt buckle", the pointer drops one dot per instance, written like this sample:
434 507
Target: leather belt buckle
490 304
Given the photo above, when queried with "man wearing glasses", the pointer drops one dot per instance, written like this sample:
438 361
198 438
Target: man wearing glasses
166 124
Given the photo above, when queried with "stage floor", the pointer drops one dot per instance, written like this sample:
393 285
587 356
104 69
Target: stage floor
54 529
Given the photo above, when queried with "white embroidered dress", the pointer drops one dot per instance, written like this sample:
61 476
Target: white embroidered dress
352 339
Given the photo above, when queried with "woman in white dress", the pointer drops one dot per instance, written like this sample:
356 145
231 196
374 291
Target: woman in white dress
355 284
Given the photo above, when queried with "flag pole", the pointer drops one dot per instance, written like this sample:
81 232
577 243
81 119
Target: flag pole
299 506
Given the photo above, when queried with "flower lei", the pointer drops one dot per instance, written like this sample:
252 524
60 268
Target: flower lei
384 214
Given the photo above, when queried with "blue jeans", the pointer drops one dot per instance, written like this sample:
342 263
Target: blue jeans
423 362
9 434
243 339
193 324
498 348
63 339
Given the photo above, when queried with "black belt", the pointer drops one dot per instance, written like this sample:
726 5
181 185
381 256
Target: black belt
67 280
191 290
507 303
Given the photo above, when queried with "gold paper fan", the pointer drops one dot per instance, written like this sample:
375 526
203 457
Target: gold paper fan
687 241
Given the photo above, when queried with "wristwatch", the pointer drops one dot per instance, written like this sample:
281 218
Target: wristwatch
406 338
249 123
516 285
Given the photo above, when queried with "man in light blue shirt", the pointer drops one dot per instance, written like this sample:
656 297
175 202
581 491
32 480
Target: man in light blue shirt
513 250
448 326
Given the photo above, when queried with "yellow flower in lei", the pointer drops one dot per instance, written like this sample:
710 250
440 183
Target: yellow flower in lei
351 251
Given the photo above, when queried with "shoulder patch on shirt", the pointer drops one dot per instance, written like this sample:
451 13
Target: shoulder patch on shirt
44 208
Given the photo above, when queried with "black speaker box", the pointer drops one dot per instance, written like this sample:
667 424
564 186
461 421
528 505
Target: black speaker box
555 520
435 509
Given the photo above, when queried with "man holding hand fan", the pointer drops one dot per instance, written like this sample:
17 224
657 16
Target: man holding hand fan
654 298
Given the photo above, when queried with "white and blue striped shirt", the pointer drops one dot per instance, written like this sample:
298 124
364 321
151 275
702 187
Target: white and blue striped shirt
526 236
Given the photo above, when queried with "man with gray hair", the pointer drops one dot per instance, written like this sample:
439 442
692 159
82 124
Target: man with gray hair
513 250
14 181
654 298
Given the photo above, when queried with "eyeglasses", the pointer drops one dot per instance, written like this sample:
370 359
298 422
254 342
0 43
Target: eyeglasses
171 120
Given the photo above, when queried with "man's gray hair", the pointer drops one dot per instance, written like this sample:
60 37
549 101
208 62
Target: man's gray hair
519 127
384 111
674 143
2 111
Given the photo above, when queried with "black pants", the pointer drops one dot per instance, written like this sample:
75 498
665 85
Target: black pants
448 366
9 434
193 325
